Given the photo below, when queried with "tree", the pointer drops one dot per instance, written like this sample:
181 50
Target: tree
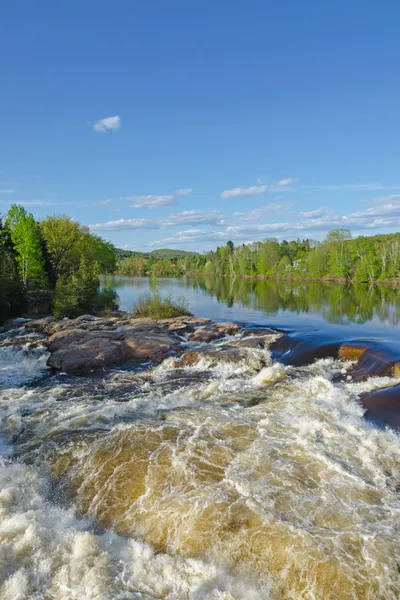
336 240
26 243
61 236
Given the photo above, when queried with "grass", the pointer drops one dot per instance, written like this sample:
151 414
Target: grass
156 306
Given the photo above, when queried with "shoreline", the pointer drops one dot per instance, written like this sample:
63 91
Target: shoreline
341 281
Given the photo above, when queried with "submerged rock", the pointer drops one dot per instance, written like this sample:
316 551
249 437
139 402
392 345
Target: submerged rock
213 331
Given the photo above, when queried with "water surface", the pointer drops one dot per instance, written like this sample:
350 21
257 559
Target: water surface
362 309
217 480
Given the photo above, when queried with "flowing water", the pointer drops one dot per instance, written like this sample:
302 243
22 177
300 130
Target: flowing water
224 479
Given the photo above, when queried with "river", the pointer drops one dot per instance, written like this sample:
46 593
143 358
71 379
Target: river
222 480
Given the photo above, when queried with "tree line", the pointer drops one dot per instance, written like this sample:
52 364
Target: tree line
56 260
340 257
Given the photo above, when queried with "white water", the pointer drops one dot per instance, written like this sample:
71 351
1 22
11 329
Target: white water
244 480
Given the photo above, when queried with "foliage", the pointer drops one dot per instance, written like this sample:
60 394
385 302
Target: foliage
10 284
55 254
158 307
338 257
80 293
25 238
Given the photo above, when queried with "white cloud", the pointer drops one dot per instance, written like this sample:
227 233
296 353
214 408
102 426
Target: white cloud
287 182
193 217
253 190
190 236
258 190
126 224
184 192
150 201
354 186
33 203
101 203
259 213
318 212
107 124
7 191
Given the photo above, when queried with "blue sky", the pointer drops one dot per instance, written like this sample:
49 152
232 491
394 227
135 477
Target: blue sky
185 124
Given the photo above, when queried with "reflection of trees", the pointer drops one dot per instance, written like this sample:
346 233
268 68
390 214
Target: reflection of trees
337 303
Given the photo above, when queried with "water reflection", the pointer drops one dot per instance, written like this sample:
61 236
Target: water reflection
246 298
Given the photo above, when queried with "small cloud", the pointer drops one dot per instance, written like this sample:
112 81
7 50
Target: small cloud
372 187
287 182
108 124
184 192
193 217
319 212
260 181
257 190
101 203
126 224
7 191
264 211
150 201
246 192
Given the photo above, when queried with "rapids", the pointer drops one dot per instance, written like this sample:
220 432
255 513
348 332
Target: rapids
228 480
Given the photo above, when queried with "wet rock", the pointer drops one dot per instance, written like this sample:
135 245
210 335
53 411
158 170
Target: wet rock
250 342
90 356
258 331
300 352
152 347
14 323
229 355
22 341
208 333
183 324
379 360
351 351
383 407
90 343
69 337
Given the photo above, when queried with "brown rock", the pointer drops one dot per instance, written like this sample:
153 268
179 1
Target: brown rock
93 355
351 351
154 346
207 333
250 342
227 355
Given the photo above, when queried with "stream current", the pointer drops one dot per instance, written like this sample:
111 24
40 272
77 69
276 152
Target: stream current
223 479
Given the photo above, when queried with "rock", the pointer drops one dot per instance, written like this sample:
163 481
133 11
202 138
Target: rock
69 337
154 346
14 323
373 359
90 343
93 355
250 342
258 331
351 351
227 355
207 333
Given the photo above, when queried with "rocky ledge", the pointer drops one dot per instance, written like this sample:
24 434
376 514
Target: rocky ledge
87 343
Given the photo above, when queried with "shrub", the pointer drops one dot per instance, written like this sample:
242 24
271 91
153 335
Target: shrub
158 307
81 293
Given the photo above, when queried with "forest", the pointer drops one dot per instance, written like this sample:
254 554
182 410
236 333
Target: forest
55 261
340 257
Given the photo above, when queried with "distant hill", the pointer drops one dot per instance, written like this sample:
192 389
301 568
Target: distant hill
170 254
159 254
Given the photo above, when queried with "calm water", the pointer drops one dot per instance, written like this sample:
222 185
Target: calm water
364 310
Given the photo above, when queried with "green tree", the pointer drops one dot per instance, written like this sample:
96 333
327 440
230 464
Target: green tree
26 243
